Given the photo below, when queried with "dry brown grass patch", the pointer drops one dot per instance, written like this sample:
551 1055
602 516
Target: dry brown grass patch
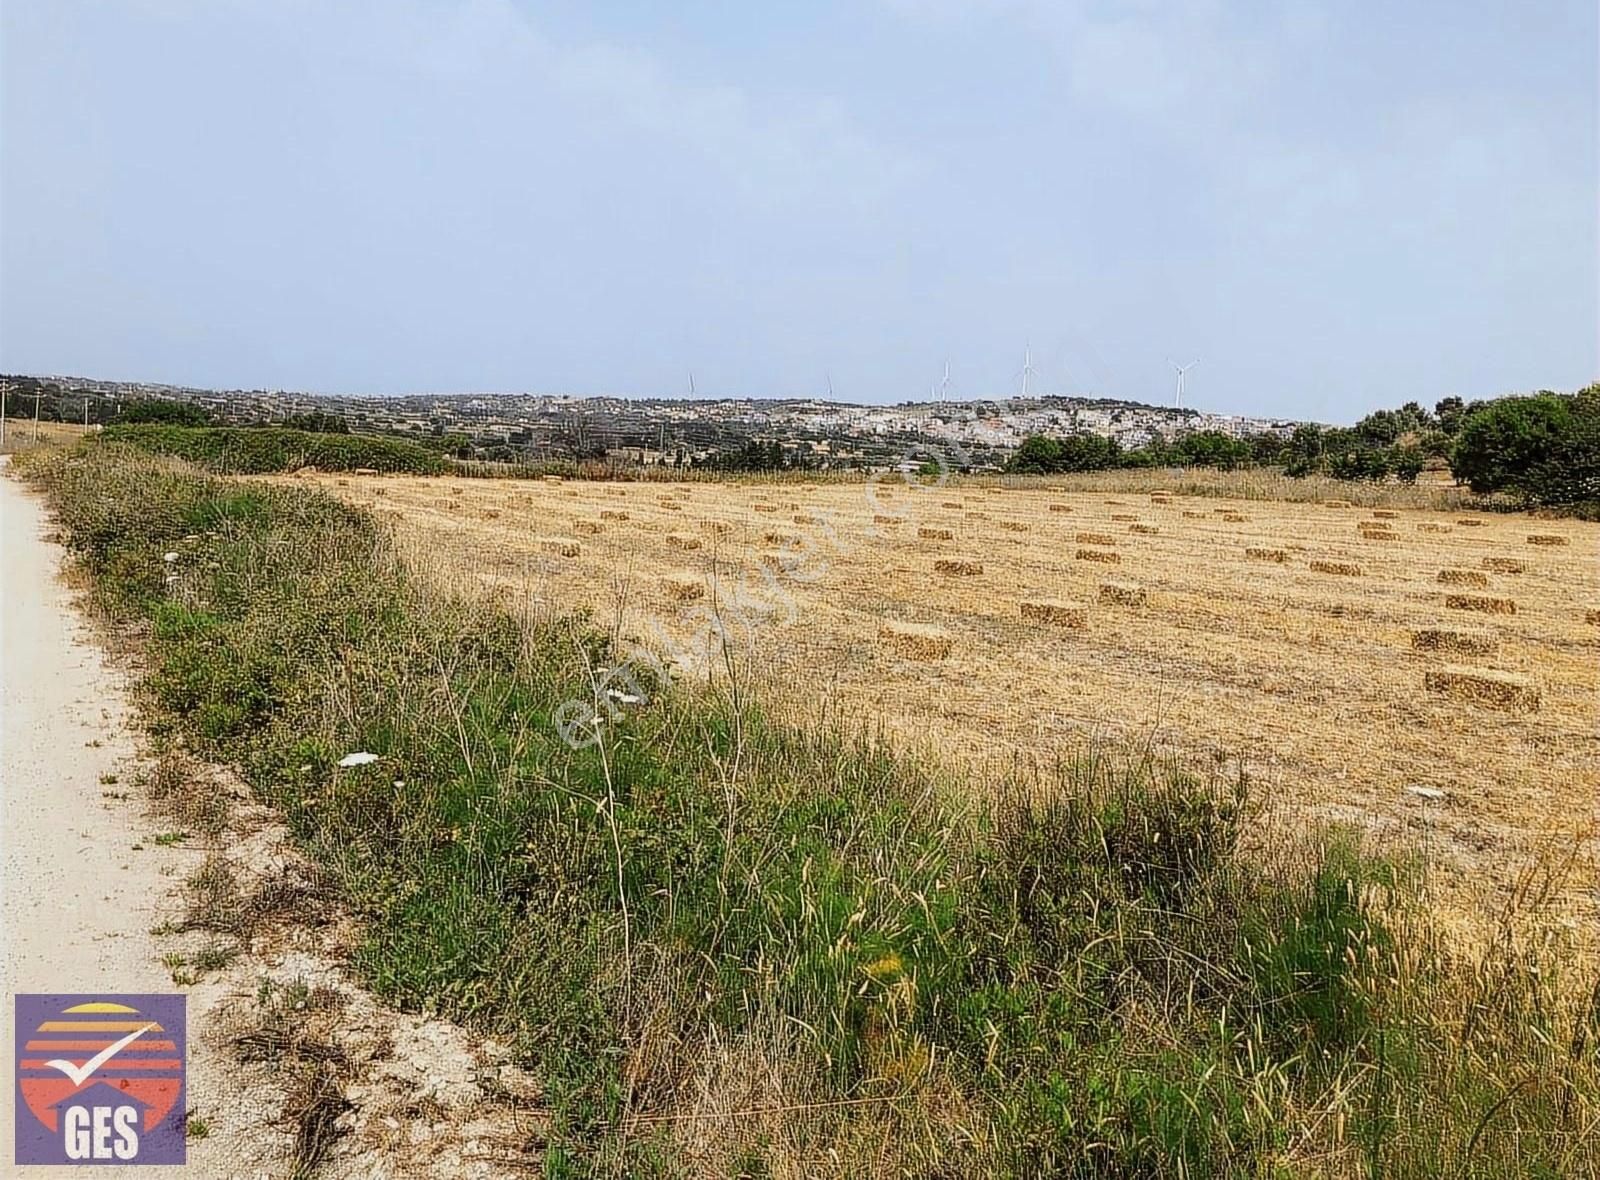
1482 686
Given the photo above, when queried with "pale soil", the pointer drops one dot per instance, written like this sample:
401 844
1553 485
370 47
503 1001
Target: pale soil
1306 679
85 887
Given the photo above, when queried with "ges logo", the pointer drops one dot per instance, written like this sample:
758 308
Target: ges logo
100 1079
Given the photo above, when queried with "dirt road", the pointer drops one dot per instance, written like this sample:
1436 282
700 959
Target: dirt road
86 883
78 900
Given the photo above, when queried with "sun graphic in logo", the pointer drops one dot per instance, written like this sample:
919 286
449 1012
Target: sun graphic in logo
99 1053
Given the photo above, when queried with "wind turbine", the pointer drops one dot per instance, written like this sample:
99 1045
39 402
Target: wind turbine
691 382
1027 368
1177 395
944 385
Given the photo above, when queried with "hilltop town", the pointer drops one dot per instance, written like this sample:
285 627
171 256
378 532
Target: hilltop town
677 431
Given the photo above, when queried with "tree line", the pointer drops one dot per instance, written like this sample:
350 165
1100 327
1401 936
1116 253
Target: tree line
1541 448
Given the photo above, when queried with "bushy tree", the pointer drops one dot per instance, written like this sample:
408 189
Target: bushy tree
157 411
1545 447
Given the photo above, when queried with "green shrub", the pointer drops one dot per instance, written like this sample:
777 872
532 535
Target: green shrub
256 450
1544 448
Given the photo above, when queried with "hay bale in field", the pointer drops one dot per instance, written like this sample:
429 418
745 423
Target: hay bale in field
952 504
1055 612
1258 553
1095 539
1547 539
1060 507
974 514
1123 517
1453 639
1505 565
1456 577
779 538
683 587
885 518
1470 522
587 528
455 491
717 528
490 514
1482 603
553 479
1104 556
683 541
1591 616
612 514
1337 504
560 546
933 534
1195 515
1158 498
1482 686
765 507
957 567
914 641
1117 503
1123 594
803 518
1015 526
1385 514
1145 530
1235 517
343 483
1429 526
1375 534
1345 569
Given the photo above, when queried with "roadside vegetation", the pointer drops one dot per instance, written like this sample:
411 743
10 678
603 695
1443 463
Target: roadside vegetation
731 946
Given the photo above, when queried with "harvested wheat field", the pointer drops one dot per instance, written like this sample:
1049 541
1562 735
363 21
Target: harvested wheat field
1243 649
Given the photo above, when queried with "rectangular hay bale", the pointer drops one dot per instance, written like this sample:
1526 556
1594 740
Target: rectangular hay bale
1483 686
1123 594
1451 639
1055 612
914 641
1482 603
1456 577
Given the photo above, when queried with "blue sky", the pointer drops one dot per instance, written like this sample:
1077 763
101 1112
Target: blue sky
1335 205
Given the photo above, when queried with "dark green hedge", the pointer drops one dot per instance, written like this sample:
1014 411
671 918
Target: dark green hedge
254 450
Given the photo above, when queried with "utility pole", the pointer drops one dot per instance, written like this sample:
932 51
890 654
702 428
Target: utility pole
86 413
37 398
5 388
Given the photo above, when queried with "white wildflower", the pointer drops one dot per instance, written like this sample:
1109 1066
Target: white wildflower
360 758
